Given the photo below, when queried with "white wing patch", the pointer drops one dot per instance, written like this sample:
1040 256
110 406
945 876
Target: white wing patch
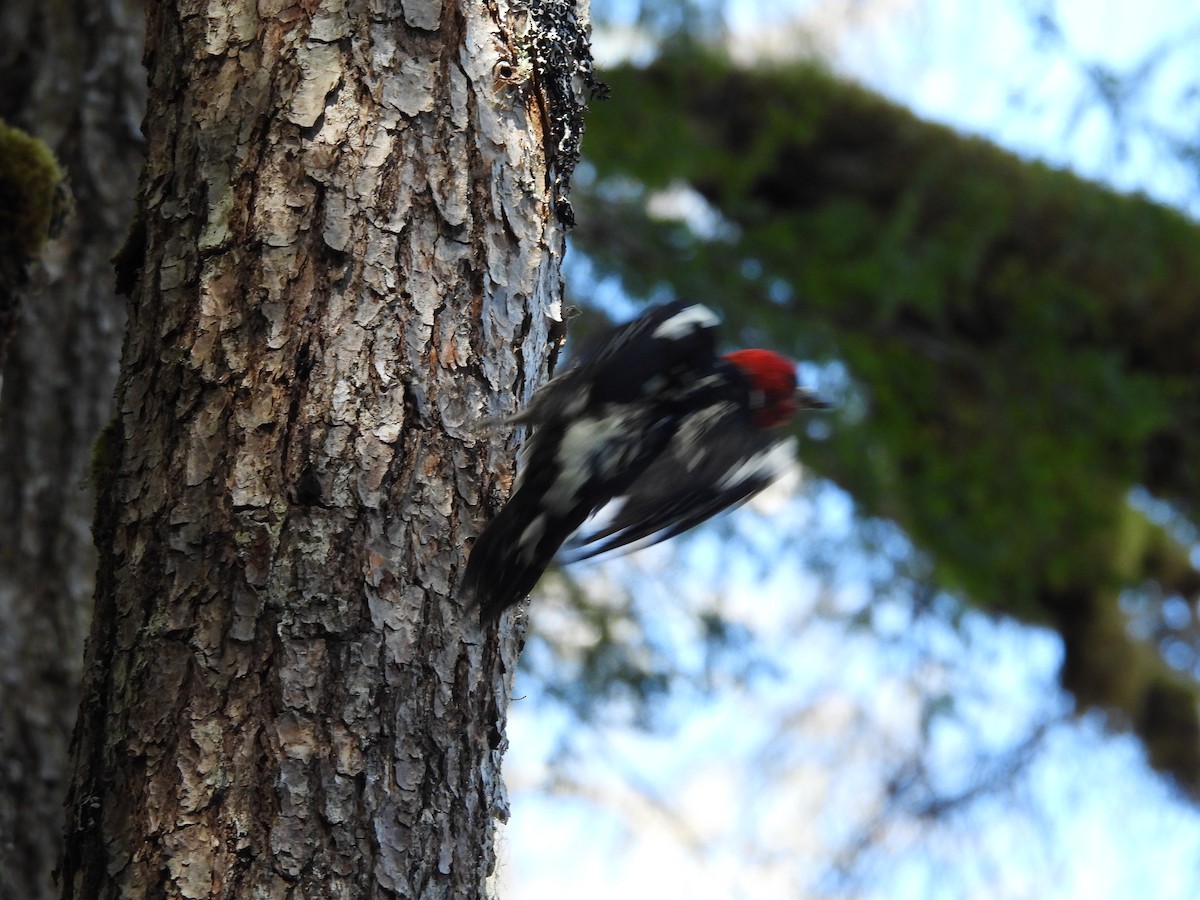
689 446
604 516
583 448
686 321
529 538
769 464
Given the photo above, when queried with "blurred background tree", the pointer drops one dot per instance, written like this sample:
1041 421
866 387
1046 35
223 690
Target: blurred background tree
72 77
1007 337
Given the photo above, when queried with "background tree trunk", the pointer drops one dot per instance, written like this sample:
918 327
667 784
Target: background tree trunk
72 76
350 263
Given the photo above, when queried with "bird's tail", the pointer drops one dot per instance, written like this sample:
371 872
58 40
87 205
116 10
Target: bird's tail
511 555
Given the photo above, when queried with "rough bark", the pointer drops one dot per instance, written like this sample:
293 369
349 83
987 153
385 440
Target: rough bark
72 76
351 262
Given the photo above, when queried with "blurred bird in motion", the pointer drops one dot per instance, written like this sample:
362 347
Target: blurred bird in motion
648 435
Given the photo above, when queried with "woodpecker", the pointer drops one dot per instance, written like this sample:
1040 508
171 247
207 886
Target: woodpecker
649 434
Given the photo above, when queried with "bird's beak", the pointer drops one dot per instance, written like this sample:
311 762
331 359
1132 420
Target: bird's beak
806 399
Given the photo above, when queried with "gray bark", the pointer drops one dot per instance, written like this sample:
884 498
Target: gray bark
351 262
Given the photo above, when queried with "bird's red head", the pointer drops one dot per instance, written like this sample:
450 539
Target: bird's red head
773 392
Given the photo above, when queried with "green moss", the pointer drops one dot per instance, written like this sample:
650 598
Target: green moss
30 198
104 454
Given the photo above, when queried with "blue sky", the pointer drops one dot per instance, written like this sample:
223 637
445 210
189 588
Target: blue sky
750 793
978 66
753 792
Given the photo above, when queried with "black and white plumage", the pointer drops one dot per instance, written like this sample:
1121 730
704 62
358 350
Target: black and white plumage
652 426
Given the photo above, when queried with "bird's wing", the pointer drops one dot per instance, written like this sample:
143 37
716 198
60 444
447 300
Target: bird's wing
666 346
716 460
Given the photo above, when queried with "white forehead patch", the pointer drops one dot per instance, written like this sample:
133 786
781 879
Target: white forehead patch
685 321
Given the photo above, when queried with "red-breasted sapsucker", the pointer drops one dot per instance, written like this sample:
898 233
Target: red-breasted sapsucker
651 429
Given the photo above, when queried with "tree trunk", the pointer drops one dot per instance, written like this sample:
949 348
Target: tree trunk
72 76
351 263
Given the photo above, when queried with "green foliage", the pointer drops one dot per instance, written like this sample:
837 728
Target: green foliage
1019 344
990 311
